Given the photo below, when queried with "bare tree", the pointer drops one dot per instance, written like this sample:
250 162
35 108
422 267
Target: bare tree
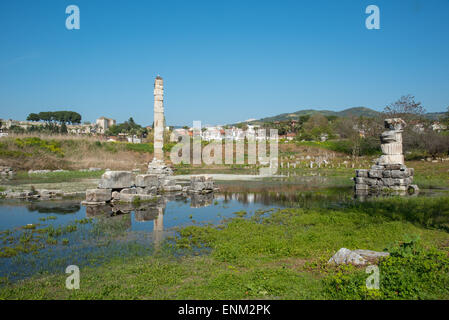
406 108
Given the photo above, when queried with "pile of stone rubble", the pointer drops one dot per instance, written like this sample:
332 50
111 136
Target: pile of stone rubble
389 173
42 194
124 186
395 177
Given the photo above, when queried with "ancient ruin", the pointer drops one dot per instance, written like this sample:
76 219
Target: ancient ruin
389 173
158 166
126 186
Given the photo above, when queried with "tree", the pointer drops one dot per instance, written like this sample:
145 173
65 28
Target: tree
63 128
406 108
33 117
317 125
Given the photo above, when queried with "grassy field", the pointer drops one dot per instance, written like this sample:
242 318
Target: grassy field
24 152
280 254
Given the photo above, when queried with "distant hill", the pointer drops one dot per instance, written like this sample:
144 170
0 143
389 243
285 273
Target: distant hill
435 115
350 112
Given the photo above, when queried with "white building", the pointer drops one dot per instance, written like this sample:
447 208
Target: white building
104 123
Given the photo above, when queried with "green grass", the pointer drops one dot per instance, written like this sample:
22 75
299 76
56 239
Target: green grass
140 147
272 255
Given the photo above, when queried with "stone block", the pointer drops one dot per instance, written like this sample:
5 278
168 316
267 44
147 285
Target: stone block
386 174
128 191
200 183
128 197
46 194
392 166
147 180
173 188
116 195
362 173
98 195
400 182
346 256
387 182
375 173
116 180
398 174
361 187
146 190
360 180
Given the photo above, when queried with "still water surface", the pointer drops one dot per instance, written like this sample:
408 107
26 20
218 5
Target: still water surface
62 233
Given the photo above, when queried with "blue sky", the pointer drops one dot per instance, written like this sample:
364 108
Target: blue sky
222 61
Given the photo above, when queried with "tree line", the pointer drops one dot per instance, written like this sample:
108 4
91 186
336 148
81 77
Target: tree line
61 117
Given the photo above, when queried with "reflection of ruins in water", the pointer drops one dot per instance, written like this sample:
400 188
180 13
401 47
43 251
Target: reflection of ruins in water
146 211
198 200
56 207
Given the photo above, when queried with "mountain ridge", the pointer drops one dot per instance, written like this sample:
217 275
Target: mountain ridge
349 112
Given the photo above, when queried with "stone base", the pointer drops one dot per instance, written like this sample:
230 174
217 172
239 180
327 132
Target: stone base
385 178
159 167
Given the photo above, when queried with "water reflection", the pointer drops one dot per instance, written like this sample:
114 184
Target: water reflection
57 207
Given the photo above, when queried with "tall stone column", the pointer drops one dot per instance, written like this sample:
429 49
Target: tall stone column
159 121
158 166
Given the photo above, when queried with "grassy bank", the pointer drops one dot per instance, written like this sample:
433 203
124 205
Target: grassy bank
25 152
279 254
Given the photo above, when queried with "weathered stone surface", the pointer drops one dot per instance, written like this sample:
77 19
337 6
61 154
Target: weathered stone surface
173 188
346 256
158 167
47 194
116 180
116 195
17 194
413 188
147 180
147 190
386 174
392 166
356 257
128 191
389 172
375 173
361 187
128 197
370 255
362 173
398 174
201 183
98 195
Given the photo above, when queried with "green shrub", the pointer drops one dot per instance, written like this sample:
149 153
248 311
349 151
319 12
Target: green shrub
411 272
39 144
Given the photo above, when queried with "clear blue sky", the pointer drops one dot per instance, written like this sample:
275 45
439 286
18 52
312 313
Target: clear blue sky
222 61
